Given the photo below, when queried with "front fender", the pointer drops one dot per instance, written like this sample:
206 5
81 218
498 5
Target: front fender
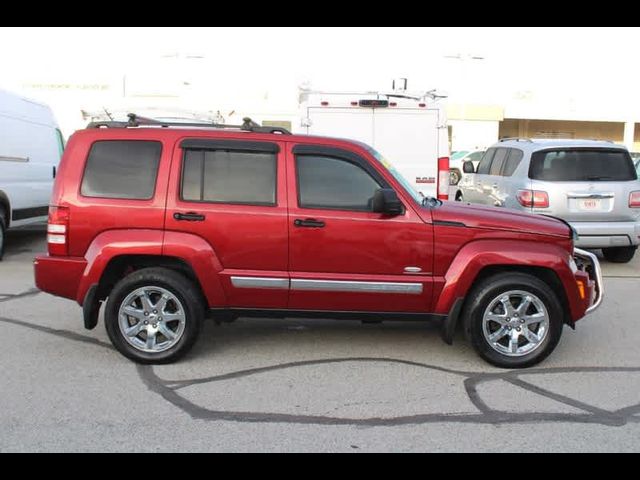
475 256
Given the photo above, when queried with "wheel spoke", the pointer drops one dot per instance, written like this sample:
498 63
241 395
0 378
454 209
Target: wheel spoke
146 301
508 308
513 344
151 339
498 335
133 312
529 335
534 319
134 330
166 331
172 317
524 306
162 303
499 319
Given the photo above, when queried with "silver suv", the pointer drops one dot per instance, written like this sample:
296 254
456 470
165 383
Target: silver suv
591 184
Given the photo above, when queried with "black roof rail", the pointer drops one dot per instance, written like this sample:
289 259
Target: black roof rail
516 139
134 121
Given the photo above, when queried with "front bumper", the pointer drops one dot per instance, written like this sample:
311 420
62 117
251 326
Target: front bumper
607 234
587 263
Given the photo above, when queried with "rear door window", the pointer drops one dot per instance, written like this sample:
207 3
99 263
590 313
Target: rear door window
125 169
513 161
582 165
498 161
485 163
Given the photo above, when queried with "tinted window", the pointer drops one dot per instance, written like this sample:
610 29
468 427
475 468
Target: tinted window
325 182
122 169
485 163
582 166
498 161
235 177
513 160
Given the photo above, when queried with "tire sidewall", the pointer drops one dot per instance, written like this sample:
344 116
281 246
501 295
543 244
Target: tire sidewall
178 286
488 292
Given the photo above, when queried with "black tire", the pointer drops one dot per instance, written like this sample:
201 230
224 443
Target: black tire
619 254
3 231
490 289
178 285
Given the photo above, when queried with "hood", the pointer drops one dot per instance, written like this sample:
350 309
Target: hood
494 218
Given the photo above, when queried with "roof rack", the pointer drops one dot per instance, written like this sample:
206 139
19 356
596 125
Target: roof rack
134 121
516 139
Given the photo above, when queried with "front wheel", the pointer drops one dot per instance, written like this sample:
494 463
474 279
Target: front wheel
619 254
154 316
513 320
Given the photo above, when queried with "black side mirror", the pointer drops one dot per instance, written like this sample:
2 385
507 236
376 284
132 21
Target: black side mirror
467 167
386 201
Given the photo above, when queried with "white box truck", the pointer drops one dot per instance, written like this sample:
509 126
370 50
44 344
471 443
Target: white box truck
31 145
409 130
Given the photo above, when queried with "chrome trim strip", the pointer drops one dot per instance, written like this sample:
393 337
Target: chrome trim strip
591 195
260 282
598 271
351 286
14 159
412 270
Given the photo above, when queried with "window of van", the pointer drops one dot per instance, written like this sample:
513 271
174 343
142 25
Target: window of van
122 169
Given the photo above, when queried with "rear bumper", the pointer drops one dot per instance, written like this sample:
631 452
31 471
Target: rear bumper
607 234
59 276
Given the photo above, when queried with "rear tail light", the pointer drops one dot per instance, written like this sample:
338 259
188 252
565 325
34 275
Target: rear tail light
533 198
634 200
58 231
443 178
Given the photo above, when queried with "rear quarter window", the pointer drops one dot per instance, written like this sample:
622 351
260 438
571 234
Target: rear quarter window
582 165
125 169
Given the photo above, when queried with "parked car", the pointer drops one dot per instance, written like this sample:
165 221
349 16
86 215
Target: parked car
171 225
591 184
458 158
30 149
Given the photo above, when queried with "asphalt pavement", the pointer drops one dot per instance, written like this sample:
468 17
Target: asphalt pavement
310 385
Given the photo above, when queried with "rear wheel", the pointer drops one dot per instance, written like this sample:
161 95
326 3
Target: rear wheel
154 316
513 320
3 231
619 254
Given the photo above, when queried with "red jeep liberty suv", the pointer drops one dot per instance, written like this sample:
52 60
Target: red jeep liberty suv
172 223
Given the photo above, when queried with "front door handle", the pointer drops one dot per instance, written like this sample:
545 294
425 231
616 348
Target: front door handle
189 217
308 223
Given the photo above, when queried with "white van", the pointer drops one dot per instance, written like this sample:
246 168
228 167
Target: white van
31 145
409 130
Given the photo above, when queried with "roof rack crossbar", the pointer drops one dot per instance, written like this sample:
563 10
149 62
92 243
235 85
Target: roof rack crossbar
248 125
516 139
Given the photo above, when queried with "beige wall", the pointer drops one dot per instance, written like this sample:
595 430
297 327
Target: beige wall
613 131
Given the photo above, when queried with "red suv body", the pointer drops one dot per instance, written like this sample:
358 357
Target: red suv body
172 225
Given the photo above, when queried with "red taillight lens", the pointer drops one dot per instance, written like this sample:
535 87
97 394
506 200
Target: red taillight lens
58 231
533 198
443 178
634 200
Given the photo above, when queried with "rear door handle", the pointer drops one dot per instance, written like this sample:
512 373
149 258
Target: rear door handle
308 223
189 217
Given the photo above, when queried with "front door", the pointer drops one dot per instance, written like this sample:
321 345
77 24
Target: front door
342 255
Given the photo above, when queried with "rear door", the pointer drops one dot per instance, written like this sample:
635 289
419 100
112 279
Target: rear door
232 194
585 184
352 123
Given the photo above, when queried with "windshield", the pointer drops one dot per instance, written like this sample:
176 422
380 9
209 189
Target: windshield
458 155
397 175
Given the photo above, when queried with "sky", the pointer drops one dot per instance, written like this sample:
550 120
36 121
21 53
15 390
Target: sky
229 66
